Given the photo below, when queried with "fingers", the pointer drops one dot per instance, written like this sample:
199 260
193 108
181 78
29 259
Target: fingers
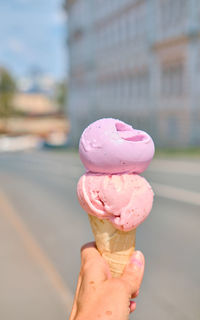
133 273
93 266
135 294
132 306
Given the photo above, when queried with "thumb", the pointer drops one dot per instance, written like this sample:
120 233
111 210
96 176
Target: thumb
133 272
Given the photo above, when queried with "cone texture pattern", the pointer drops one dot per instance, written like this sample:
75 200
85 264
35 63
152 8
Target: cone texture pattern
114 245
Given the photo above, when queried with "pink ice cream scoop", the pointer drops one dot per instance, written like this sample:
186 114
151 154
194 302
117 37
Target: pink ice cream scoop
111 146
123 199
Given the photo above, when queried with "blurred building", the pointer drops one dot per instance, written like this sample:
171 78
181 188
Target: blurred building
34 104
34 114
137 60
37 83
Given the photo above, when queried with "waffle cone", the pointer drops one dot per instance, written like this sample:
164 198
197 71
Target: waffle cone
114 245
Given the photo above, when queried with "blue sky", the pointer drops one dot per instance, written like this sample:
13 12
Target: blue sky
32 34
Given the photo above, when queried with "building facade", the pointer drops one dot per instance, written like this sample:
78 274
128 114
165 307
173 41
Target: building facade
137 60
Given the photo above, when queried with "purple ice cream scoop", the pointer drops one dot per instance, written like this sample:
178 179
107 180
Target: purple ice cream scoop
112 146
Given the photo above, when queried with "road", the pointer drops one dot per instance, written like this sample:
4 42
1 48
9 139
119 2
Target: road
42 228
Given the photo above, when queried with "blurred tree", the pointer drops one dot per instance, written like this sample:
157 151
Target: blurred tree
61 95
7 91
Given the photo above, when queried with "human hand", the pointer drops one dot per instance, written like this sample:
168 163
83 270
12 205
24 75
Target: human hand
98 295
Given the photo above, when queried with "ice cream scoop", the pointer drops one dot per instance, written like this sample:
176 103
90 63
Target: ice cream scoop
125 200
112 146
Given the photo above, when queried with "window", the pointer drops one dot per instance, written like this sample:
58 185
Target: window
198 61
173 12
172 127
139 85
173 80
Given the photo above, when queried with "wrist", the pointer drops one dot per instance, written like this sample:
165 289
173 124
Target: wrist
96 316
83 317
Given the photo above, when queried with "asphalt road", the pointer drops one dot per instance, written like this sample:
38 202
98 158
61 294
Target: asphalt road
42 228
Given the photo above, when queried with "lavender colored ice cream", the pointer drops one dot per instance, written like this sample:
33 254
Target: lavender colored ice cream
111 146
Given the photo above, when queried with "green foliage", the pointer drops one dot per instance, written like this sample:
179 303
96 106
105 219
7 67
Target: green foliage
61 95
177 152
7 91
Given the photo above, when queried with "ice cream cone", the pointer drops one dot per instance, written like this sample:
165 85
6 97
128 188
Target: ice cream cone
115 246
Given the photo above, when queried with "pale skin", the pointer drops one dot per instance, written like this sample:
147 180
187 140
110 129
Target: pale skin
101 297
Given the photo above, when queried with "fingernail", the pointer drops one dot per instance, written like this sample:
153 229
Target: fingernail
137 259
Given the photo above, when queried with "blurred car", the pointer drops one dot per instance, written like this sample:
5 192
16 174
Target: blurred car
56 140
19 143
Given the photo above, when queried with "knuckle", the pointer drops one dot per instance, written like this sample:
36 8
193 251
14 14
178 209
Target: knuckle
83 250
125 286
86 266
86 250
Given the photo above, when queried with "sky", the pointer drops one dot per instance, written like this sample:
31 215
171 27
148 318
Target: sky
33 36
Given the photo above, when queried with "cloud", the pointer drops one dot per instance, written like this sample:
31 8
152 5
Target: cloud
32 33
59 18
24 2
16 45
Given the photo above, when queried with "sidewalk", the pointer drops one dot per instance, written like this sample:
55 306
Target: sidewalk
26 291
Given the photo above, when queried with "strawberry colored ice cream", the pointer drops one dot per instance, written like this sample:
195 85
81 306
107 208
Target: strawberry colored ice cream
123 199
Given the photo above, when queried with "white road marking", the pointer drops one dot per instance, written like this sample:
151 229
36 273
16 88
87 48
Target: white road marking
158 165
177 167
178 194
36 251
